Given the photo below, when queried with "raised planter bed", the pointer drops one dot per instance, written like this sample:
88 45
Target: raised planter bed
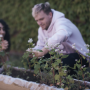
22 84
31 82
25 78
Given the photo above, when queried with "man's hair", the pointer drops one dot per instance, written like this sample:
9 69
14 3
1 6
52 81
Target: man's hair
41 7
7 35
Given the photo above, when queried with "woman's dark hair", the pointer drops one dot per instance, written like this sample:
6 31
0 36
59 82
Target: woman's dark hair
7 35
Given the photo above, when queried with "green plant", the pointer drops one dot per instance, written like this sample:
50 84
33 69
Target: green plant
51 67
50 70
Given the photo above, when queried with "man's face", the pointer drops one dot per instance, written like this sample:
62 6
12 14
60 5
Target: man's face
43 19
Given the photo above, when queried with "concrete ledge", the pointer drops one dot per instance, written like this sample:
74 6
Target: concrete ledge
23 83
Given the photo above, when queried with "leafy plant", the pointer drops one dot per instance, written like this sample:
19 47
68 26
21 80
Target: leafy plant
51 67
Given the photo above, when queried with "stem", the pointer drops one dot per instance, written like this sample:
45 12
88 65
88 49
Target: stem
59 71
53 72
53 76
40 74
60 78
82 70
29 64
81 65
60 81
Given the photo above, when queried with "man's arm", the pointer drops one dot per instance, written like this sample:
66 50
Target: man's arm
40 43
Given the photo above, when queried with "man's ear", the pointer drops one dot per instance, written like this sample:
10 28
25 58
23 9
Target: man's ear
50 14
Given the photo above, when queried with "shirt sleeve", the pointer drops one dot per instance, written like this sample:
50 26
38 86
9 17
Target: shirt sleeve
40 43
63 32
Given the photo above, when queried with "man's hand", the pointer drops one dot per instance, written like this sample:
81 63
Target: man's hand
40 54
30 50
34 53
4 44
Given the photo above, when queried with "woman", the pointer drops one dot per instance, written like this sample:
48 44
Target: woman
5 39
5 36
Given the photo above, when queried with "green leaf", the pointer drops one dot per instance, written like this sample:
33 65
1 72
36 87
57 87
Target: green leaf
50 73
64 56
69 77
58 60
39 50
57 77
36 71
61 73
37 66
46 65
55 64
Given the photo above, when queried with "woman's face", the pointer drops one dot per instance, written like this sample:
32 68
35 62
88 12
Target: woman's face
2 32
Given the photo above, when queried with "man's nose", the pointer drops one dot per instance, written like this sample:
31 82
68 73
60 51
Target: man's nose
39 22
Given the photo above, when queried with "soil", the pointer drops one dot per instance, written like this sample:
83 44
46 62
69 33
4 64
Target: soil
26 75
4 86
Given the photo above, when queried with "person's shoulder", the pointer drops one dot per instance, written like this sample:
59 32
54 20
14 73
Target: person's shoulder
59 13
57 16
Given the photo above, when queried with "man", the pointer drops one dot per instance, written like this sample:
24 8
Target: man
56 29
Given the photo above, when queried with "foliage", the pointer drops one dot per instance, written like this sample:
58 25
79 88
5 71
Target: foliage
44 68
14 60
17 13
52 68
50 71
